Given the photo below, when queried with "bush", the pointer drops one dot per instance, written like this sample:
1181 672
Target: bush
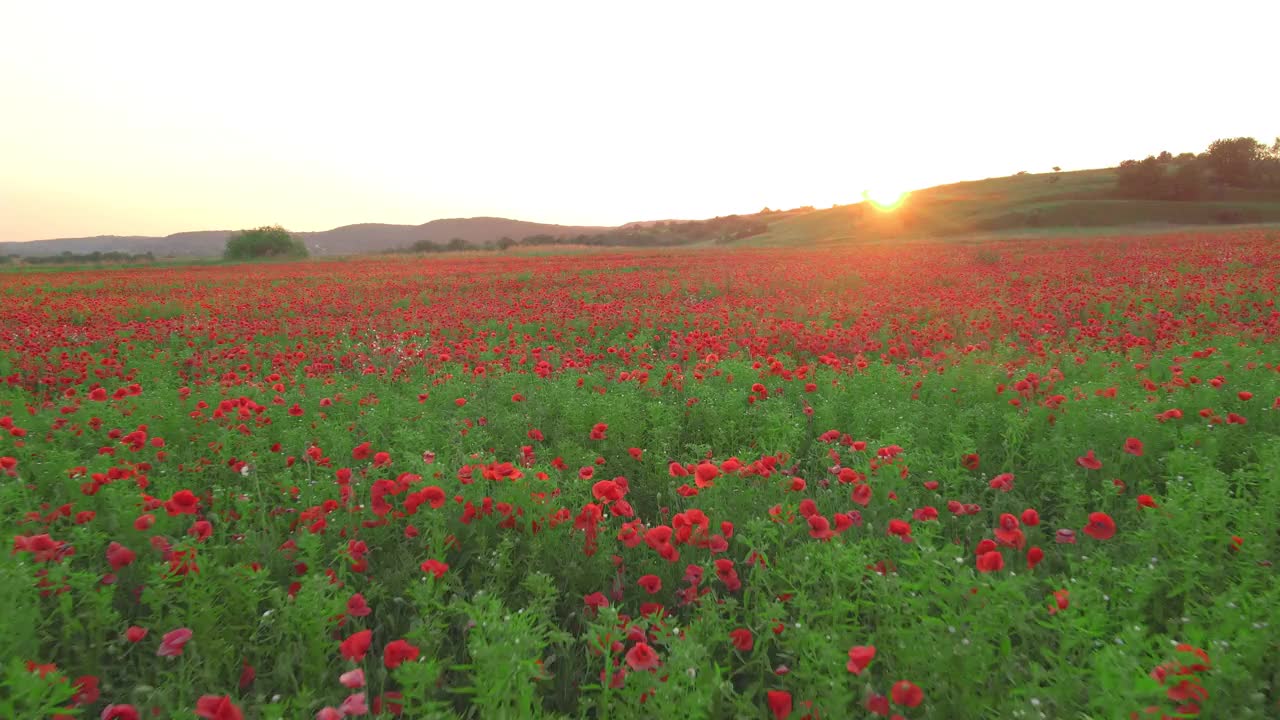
1151 179
270 241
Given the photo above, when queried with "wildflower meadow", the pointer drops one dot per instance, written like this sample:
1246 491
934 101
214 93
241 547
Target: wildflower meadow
1008 479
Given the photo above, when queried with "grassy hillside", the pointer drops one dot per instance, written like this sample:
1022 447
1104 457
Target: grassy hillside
1031 203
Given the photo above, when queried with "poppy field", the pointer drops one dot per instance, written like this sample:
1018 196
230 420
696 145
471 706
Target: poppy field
1010 479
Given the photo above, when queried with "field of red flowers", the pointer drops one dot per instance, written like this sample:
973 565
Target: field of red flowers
1003 480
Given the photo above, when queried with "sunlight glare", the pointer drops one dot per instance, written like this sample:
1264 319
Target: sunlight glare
884 199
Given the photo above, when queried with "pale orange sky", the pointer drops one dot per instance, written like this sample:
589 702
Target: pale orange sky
155 117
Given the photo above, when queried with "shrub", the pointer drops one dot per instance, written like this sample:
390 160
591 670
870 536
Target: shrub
270 241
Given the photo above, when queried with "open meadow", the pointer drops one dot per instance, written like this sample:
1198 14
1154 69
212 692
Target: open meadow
1011 479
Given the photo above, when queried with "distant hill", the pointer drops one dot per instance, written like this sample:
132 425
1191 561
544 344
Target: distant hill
1042 203
345 240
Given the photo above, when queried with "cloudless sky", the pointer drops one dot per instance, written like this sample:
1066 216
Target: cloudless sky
149 118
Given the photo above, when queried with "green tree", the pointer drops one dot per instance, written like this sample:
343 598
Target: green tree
1143 179
505 242
1186 182
1233 161
270 241
456 244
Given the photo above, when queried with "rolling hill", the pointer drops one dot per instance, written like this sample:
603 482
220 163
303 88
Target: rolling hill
1032 203
345 240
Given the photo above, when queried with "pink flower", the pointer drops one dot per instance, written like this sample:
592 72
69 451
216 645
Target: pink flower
354 705
353 679
172 643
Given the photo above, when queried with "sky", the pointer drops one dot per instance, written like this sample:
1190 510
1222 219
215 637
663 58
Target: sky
148 118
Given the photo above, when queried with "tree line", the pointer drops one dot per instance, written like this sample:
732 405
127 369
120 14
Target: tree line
658 234
1243 163
66 257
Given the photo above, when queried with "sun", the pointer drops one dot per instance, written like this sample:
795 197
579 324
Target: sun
884 199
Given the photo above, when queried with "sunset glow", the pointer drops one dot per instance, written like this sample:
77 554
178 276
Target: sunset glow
885 199
155 117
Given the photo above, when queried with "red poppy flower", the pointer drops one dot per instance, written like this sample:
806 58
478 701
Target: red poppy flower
119 556
397 652
859 657
651 583
356 645
183 502
595 601
1034 556
212 707
1089 462
1009 533
779 703
86 688
705 474
819 527
434 567
742 639
862 494
642 657
1133 446
1100 527
991 561
1061 600
906 693
357 607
